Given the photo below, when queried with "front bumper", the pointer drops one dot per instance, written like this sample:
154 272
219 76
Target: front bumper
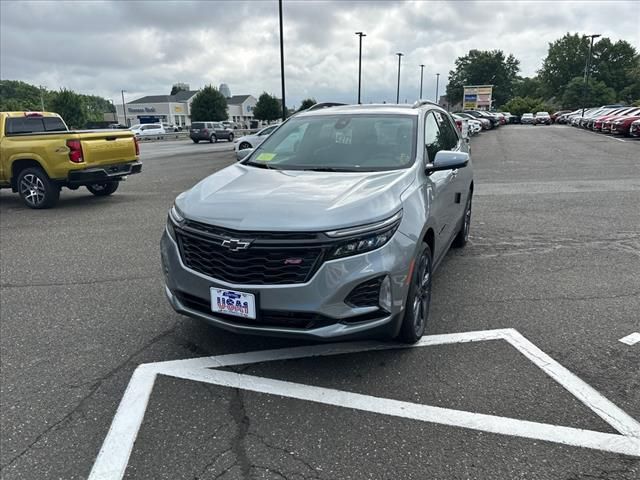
323 295
108 173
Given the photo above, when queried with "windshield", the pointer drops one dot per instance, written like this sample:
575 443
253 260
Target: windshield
353 143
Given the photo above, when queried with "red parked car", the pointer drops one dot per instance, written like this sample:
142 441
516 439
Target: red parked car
599 121
622 126
634 130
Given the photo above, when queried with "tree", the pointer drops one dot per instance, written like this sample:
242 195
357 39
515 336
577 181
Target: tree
307 103
631 93
484 68
70 106
209 104
267 108
611 63
528 87
177 88
597 93
520 105
17 96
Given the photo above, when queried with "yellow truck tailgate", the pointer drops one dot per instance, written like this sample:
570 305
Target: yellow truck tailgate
105 147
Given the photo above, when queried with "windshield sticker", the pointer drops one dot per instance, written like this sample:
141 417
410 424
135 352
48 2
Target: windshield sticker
265 157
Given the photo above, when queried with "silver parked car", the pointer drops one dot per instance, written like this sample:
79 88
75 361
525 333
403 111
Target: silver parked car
331 228
252 141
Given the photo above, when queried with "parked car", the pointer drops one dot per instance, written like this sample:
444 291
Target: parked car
510 117
169 127
484 123
622 126
603 123
527 119
542 118
148 130
474 125
211 131
332 235
118 126
634 129
556 115
39 155
494 122
230 125
252 141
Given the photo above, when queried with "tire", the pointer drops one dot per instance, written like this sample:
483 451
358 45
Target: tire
213 139
416 313
231 137
103 189
462 237
36 190
244 146
195 140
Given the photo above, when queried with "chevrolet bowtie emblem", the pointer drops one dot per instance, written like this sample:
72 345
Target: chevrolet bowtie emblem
235 245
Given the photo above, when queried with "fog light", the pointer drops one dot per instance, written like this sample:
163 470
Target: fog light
384 299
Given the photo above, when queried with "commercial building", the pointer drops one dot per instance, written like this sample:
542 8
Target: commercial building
176 109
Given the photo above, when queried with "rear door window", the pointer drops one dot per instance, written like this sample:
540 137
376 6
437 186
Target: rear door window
54 124
197 125
17 125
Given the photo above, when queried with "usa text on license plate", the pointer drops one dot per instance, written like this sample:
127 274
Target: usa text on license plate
239 304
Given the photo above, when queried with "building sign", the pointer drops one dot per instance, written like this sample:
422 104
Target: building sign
177 109
477 97
141 109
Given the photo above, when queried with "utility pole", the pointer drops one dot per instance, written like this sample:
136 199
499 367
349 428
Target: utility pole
284 104
587 71
421 76
360 34
41 98
437 85
398 91
124 109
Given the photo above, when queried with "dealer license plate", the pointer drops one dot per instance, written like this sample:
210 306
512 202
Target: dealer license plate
231 302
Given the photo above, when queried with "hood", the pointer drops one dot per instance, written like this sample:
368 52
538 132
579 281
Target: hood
248 198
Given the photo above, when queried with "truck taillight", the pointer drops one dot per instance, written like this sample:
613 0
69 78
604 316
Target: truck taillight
75 151
459 124
205 131
135 142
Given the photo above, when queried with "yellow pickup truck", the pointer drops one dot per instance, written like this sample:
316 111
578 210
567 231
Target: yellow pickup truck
39 155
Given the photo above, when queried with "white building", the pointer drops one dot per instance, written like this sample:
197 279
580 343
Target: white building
176 109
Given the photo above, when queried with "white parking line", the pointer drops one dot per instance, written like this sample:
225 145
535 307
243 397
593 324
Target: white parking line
631 339
113 457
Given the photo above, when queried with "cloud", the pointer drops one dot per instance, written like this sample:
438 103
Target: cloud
144 47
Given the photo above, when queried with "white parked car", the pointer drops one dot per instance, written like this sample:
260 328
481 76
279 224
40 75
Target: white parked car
474 125
148 130
252 141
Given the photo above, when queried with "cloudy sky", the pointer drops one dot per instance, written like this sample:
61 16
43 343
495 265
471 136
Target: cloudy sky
143 47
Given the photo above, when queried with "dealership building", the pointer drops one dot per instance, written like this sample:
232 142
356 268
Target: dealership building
176 109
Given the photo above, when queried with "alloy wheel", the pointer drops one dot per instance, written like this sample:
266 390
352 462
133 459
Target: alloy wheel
32 189
422 298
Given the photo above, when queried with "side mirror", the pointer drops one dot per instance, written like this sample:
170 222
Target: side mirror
447 160
244 153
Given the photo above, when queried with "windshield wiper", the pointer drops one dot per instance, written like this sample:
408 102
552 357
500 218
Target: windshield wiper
262 165
329 169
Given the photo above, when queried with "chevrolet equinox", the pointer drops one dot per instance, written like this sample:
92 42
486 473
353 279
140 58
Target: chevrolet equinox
330 229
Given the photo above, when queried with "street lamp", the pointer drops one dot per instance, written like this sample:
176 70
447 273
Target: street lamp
398 91
124 110
587 70
360 34
284 105
421 76
437 85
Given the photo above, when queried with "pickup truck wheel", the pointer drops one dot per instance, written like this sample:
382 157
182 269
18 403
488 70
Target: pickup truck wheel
103 189
213 139
36 190
463 235
418 303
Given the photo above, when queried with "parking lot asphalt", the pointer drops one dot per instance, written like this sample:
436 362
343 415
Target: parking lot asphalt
554 254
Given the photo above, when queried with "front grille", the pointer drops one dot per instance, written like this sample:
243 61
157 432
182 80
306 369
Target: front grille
366 294
273 318
227 232
270 263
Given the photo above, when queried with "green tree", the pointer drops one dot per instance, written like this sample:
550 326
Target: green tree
70 106
209 104
177 88
307 103
611 63
520 105
17 96
631 92
528 87
267 108
597 93
484 68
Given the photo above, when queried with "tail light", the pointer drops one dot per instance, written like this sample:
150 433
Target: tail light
459 124
135 142
75 151
33 114
205 131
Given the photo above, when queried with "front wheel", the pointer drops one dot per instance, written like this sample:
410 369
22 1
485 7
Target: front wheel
418 303
231 137
213 139
103 189
36 190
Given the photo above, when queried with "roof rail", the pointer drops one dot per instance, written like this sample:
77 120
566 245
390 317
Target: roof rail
320 106
422 103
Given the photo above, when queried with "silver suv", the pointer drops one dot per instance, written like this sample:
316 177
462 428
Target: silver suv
330 229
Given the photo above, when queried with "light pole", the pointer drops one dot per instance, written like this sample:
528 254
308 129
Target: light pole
437 85
360 34
124 110
421 76
398 91
587 70
41 98
284 105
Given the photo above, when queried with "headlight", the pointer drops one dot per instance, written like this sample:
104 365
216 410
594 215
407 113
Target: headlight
174 219
364 238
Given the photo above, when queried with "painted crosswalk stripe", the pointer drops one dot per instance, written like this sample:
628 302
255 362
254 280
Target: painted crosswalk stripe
631 339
